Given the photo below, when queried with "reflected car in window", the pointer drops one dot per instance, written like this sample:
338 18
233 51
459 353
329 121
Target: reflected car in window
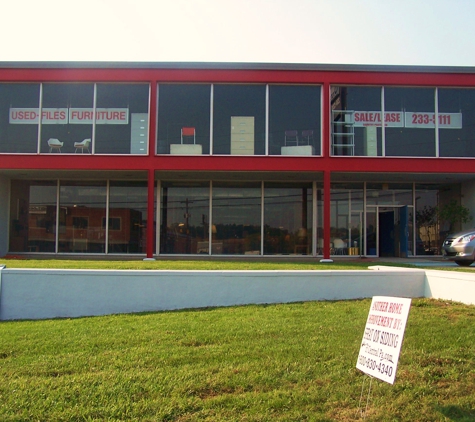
460 247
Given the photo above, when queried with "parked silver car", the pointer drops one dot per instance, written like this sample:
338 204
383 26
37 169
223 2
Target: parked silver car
460 247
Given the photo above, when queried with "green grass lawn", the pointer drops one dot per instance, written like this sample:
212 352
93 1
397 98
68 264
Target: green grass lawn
289 362
211 264
191 264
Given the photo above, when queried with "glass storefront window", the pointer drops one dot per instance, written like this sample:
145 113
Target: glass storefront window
184 226
456 122
19 116
287 219
33 216
236 228
67 111
127 217
357 121
430 232
184 119
121 124
417 137
82 212
294 120
239 119
346 219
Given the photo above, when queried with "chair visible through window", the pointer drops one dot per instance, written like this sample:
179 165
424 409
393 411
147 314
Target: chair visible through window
187 133
291 137
82 145
307 137
54 144
339 246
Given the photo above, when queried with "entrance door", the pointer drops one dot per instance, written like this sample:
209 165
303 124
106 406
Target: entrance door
386 233
393 231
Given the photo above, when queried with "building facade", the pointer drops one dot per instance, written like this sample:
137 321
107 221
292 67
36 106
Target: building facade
170 159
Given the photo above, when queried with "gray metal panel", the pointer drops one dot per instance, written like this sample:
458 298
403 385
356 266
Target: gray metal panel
237 66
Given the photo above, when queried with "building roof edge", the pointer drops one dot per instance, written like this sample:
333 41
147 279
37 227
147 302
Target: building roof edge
236 66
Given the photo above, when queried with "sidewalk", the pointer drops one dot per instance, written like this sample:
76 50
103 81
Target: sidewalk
433 261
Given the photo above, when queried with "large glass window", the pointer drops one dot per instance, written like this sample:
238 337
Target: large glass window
456 122
430 232
347 219
288 219
33 216
357 121
239 119
183 119
184 226
417 137
66 116
294 120
19 117
121 119
127 217
236 228
82 210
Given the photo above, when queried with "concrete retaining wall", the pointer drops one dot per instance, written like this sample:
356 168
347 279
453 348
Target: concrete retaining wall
36 294
451 285
41 293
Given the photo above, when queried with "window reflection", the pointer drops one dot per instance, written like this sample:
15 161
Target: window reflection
33 216
288 219
236 218
184 227
82 208
127 222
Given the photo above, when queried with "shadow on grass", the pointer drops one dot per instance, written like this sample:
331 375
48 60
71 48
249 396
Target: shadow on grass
458 413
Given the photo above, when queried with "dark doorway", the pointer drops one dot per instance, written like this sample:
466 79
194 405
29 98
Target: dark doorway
394 232
386 233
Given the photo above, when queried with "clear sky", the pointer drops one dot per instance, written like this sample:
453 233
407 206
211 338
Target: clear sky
402 32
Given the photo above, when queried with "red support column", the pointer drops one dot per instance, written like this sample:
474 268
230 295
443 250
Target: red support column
326 119
151 214
326 214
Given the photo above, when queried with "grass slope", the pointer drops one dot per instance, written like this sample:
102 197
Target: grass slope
290 362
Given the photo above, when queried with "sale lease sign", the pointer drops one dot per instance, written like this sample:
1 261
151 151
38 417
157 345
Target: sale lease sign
382 338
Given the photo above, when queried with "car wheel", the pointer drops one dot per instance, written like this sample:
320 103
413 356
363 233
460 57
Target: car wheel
464 263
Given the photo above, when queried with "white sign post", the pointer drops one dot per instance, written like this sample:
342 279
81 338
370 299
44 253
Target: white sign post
382 338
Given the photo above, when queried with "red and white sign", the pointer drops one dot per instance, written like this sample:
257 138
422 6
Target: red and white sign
382 338
104 116
416 120
49 116
421 120
61 116
373 118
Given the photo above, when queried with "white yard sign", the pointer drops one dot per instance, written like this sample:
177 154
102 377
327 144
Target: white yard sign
382 338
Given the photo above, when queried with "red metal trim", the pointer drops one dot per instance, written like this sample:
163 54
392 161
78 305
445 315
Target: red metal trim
233 163
237 76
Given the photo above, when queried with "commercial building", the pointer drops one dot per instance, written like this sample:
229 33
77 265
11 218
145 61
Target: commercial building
160 159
